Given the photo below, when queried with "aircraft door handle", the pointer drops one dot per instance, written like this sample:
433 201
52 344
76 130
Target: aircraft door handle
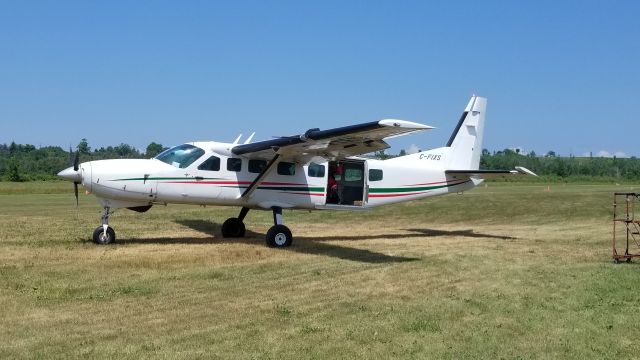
199 178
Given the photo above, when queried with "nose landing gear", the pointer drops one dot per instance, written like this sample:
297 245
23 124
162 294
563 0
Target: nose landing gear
104 234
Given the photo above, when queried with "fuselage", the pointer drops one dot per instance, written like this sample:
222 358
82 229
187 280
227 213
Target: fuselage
316 170
210 175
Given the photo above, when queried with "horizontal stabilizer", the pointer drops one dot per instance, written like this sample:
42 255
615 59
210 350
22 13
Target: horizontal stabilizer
487 174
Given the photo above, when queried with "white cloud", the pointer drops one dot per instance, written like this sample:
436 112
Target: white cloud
518 150
413 149
607 154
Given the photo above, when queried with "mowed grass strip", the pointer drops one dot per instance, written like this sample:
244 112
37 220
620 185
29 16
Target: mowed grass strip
503 271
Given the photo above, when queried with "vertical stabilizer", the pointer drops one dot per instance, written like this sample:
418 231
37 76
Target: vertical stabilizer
466 140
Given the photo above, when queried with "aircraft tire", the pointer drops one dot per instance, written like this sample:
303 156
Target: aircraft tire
233 228
102 238
279 236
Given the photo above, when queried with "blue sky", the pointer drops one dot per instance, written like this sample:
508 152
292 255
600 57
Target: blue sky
560 76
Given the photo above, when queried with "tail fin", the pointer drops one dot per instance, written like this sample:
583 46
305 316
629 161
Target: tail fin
466 141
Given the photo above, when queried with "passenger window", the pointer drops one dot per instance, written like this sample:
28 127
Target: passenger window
316 170
375 174
234 164
256 166
211 164
351 174
286 168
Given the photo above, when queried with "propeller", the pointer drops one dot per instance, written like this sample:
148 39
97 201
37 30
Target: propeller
76 166
72 173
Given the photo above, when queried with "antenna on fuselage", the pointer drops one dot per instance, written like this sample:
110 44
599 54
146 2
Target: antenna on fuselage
237 140
249 138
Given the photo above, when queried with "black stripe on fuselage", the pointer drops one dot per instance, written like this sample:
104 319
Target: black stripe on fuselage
479 172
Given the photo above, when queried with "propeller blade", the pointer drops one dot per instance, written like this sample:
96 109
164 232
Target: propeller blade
76 161
75 191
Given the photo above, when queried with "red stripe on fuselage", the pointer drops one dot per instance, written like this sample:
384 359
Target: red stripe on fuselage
396 195
301 193
433 183
202 182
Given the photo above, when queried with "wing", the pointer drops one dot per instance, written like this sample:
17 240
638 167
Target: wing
486 174
332 143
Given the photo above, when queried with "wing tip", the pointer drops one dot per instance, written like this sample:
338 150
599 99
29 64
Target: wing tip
404 124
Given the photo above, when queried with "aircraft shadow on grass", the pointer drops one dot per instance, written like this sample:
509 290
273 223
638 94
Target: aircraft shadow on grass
463 233
314 245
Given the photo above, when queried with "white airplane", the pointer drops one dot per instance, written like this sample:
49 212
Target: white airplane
317 170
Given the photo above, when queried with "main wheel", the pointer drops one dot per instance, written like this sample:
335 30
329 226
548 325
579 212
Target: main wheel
279 236
101 237
233 228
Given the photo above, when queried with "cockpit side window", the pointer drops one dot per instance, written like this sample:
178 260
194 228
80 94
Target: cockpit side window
211 164
181 156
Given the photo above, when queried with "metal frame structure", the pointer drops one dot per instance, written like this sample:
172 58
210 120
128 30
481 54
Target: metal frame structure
630 222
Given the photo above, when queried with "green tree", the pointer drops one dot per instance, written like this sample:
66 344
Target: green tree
153 149
125 150
13 173
402 153
381 155
83 147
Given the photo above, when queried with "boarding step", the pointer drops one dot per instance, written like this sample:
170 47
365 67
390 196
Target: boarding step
342 207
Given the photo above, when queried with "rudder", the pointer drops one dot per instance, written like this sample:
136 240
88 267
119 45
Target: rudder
466 140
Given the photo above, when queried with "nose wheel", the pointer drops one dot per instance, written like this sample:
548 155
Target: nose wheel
104 237
104 234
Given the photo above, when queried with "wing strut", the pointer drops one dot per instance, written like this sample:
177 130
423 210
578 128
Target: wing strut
254 185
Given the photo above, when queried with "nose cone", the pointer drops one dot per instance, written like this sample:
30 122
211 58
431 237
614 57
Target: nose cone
71 175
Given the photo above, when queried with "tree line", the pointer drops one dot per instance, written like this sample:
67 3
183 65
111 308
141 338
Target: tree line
552 167
25 162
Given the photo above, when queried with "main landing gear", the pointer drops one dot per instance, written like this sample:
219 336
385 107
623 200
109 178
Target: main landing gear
104 234
278 236
234 227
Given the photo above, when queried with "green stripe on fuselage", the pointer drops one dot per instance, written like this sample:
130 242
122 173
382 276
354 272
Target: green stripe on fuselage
411 189
280 188
292 188
168 178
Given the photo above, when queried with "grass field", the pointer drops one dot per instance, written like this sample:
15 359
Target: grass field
504 271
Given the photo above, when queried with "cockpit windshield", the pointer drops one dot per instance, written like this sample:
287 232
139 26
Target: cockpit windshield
181 156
